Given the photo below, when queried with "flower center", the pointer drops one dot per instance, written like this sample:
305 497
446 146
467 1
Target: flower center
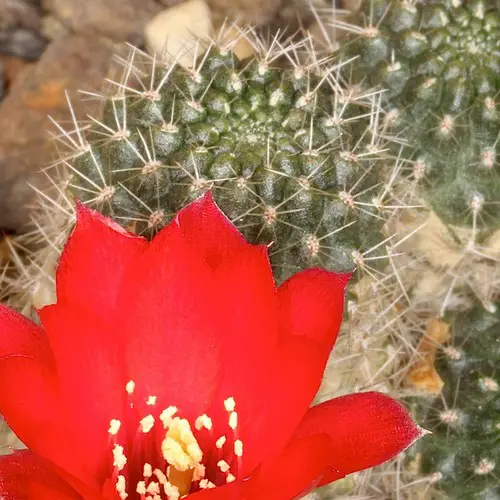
159 456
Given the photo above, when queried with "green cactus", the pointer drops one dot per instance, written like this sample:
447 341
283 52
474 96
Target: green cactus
463 456
293 159
439 62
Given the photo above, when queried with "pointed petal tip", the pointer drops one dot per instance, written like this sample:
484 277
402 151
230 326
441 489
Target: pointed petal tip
367 429
203 205
86 216
211 231
423 432
341 279
206 201
81 207
345 278
84 213
415 433
208 197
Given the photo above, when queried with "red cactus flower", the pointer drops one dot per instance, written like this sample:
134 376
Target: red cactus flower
176 367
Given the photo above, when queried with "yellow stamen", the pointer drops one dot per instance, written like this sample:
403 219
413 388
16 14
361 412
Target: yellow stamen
181 450
171 491
114 426
153 488
166 415
205 484
162 478
229 404
141 488
121 487
199 472
147 423
233 420
238 448
203 421
220 442
151 401
148 470
119 458
223 465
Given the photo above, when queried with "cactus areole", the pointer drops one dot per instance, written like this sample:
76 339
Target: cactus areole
175 367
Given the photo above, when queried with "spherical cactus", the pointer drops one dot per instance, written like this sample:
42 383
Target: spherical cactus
463 456
292 157
439 63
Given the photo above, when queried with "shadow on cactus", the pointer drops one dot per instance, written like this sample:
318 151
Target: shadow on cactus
294 158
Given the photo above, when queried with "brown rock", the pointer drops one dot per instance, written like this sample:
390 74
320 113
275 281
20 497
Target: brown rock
19 29
73 62
120 20
13 68
19 14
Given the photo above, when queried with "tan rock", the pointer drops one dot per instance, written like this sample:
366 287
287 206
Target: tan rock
236 39
178 33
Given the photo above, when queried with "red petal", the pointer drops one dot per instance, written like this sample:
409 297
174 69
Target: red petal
295 473
365 430
210 232
94 260
27 378
19 335
249 331
91 383
30 398
169 324
291 476
291 387
23 475
312 305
